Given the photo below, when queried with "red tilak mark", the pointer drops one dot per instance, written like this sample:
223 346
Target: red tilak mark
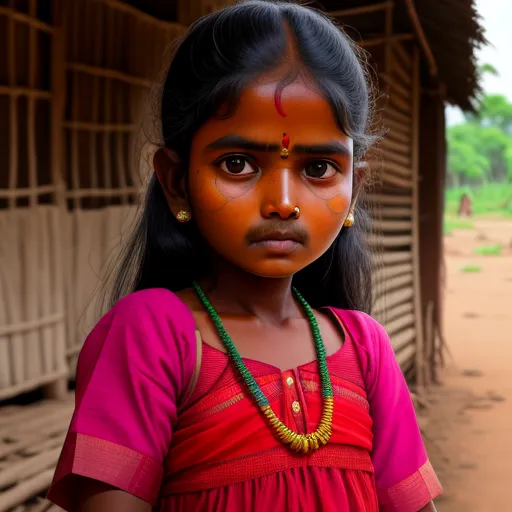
286 141
277 101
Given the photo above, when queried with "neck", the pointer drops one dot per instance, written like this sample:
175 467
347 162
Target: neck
234 291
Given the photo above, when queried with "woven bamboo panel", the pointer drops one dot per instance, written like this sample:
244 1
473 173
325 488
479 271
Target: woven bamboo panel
31 439
32 343
114 55
93 238
394 207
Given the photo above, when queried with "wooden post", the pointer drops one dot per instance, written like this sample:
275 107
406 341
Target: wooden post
416 91
431 206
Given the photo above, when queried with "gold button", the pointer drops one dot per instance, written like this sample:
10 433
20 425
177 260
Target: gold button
296 407
289 381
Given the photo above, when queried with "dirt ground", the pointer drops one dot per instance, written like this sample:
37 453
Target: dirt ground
469 423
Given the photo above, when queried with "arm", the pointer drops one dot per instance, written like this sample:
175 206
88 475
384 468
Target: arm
404 476
132 370
94 496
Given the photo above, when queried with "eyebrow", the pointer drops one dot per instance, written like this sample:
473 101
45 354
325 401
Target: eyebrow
237 141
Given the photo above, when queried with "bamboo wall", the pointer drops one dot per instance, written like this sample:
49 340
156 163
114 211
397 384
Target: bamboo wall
73 91
32 313
396 279
114 71
72 187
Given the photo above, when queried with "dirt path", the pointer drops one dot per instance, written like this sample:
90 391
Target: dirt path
469 432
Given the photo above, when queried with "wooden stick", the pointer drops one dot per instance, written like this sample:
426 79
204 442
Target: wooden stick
398 311
390 199
390 271
420 380
402 58
393 225
420 34
395 86
13 112
107 95
401 73
395 115
58 72
33 325
394 157
390 241
120 162
31 121
361 10
397 147
388 285
102 192
24 91
27 192
26 19
93 164
394 257
389 33
366 43
109 73
99 128
393 212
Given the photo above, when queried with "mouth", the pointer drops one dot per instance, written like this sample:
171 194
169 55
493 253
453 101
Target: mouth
280 241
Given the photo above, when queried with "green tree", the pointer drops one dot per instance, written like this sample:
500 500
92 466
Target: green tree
465 163
496 110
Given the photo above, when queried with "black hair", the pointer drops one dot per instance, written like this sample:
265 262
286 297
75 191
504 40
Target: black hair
219 56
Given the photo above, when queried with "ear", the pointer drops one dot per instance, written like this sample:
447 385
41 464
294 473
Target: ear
171 175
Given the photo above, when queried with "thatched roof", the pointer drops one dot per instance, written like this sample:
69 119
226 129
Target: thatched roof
452 31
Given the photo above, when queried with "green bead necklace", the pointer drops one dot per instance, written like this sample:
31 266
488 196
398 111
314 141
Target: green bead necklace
299 442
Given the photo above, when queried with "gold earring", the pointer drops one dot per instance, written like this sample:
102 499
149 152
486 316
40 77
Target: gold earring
349 221
184 216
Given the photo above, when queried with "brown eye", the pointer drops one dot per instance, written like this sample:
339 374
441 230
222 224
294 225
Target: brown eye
237 165
319 169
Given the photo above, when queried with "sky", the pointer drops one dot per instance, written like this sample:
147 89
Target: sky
496 19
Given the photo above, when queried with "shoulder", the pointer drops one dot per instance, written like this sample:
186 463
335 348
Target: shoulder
369 338
146 328
364 329
151 305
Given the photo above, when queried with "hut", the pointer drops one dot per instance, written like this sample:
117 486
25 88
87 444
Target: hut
74 83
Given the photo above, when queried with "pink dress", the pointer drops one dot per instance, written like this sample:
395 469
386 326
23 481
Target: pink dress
147 422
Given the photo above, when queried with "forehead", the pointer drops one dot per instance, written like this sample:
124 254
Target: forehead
307 115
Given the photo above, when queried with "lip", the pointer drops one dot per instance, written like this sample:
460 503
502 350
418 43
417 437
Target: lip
280 241
285 245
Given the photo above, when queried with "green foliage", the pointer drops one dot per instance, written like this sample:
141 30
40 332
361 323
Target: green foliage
471 269
489 250
492 198
480 149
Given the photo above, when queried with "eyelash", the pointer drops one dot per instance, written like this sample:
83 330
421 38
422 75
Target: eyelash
251 160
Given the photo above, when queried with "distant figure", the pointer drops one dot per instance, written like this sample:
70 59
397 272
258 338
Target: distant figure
465 207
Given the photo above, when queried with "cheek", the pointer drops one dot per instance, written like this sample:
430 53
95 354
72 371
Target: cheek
338 204
210 191
336 196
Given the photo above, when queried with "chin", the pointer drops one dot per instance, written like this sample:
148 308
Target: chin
275 269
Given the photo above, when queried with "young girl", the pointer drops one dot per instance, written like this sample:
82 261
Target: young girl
242 373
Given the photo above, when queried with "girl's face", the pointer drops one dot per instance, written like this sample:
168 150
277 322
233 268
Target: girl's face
268 215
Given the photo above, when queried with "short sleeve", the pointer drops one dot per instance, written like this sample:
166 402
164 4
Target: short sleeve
133 369
404 476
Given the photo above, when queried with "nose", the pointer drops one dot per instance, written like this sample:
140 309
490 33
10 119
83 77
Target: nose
278 196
